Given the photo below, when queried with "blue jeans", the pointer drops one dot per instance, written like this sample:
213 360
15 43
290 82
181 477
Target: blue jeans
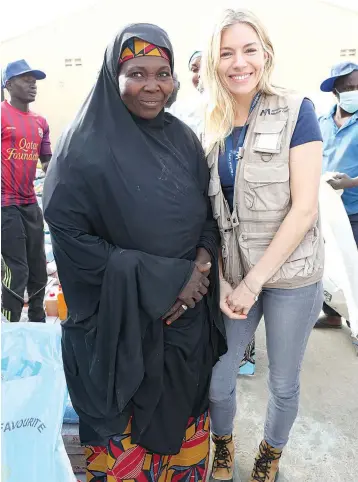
289 318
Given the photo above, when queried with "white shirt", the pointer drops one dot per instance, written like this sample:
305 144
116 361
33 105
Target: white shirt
191 112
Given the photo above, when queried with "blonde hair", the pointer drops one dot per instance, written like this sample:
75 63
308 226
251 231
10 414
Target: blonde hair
219 102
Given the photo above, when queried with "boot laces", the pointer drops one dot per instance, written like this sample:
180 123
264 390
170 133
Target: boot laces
222 458
263 464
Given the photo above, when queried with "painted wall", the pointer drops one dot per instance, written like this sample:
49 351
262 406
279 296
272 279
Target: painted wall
308 37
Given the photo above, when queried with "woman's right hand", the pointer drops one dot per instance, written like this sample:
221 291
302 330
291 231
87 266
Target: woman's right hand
225 292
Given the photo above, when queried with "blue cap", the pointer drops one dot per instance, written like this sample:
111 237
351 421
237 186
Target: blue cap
338 70
20 67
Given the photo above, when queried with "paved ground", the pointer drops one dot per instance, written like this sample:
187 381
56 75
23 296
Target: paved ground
324 440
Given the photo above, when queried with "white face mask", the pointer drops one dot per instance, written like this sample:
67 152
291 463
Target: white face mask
348 101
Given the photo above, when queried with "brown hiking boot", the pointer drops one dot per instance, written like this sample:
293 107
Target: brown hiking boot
266 464
223 464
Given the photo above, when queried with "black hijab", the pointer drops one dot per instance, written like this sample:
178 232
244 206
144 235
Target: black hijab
126 203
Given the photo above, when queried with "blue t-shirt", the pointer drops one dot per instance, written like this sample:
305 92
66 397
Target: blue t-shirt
307 130
340 153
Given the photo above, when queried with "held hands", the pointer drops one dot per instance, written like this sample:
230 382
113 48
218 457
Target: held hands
193 292
236 303
225 292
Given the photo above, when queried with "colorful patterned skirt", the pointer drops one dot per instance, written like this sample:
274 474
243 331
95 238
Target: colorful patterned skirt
123 461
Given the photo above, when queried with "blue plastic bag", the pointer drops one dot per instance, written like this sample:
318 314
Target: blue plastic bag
34 395
70 414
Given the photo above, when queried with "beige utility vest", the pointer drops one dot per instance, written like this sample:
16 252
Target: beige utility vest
262 199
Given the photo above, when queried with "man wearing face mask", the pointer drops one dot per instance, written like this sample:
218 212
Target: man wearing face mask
340 156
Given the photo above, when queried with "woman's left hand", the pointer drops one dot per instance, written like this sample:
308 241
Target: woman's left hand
241 299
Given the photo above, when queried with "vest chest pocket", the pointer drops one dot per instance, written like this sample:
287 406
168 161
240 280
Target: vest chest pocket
268 137
267 186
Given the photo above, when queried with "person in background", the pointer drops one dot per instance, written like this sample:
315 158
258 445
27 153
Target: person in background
24 140
175 92
190 111
340 153
194 67
264 149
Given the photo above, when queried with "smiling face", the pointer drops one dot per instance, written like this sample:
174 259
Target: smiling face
145 84
242 59
22 88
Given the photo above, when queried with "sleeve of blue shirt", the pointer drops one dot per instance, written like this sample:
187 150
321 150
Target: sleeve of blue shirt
307 127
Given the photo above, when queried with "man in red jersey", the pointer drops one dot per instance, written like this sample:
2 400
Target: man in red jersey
24 140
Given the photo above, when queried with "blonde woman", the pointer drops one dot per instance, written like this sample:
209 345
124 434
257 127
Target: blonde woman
264 152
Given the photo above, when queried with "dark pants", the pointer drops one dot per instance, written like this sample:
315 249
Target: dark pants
354 223
23 252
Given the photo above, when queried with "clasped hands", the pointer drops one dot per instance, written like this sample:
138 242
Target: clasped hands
236 303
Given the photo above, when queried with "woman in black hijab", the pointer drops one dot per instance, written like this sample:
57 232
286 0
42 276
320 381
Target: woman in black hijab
135 244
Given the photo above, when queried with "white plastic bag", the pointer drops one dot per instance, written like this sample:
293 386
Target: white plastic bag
34 395
340 280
